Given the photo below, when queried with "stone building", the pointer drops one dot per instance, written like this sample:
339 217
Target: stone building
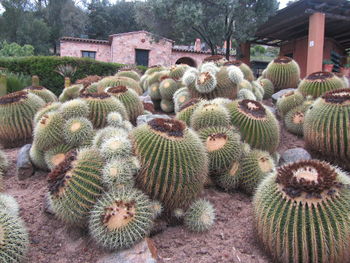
140 48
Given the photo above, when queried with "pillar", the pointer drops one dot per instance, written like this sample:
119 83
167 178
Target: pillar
315 42
245 49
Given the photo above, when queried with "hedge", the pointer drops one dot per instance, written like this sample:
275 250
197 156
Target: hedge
45 67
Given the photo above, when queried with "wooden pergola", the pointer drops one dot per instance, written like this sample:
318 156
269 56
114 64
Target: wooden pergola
316 19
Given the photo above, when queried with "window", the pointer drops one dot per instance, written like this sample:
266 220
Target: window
142 57
88 54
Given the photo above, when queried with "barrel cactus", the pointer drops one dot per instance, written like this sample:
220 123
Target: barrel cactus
177 71
9 203
78 131
247 71
130 100
106 133
230 179
40 91
294 119
70 92
326 125
14 240
200 216
49 107
56 155
119 81
209 114
283 72
173 160
100 104
129 74
121 218
118 173
167 88
181 96
48 132
257 124
301 213
17 111
75 108
186 110
267 86
37 157
246 94
117 146
318 83
289 101
75 185
167 105
254 167
223 145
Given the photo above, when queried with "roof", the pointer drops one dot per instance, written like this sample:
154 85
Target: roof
292 22
187 50
85 40
140 32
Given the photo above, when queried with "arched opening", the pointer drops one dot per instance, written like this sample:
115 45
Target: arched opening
186 60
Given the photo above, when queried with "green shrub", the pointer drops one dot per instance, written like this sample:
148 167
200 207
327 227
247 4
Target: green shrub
45 67
17 81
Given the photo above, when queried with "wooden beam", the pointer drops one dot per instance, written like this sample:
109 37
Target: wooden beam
328 15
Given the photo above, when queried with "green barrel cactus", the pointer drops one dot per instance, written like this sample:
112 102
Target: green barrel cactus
100 105
37 157
9 203
267 86
247 71
258 90
167 88
70 92
200 216
17 111
118 173
283 72
177 71
209 114
318 83
181 96
78 131
129 74
76 184
327 123
40 91
106 133
246 94
230 179
218 60
257 124
121 218
167 105
245 84
119 81
117 146
74 109
130 100
289 101
154 92
173 160
186 111
153 69
254 167
223 145
14 240
49 131
56 155
114 119
301 213
209 67
294 119
49 107
206 82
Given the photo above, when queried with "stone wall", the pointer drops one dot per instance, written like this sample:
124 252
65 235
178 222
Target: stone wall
74 49
124 46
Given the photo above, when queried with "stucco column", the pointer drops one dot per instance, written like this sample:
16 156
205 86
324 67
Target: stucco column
245 49
315 42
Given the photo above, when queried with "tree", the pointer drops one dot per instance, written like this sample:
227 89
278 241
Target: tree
15 50
215 21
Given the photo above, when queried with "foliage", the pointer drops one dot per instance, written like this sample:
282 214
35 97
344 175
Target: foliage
17 81
15 50
45 67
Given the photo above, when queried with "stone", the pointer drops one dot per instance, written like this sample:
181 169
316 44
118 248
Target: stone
293 155
24 166
279 94
146 98
146 118
142 252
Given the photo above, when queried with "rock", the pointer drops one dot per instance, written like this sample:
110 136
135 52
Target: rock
143 252
24 166
146 98
293 155
146 118
279 94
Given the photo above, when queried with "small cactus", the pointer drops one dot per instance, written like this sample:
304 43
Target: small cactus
74 109
118 146
106 133
78 131
186 110
49 107
118 173
208 114
289 101
56 155
45 94
200 217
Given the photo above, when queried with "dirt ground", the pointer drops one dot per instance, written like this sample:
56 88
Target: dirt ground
231 239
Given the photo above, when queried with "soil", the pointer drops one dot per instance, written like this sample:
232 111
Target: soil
231 239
